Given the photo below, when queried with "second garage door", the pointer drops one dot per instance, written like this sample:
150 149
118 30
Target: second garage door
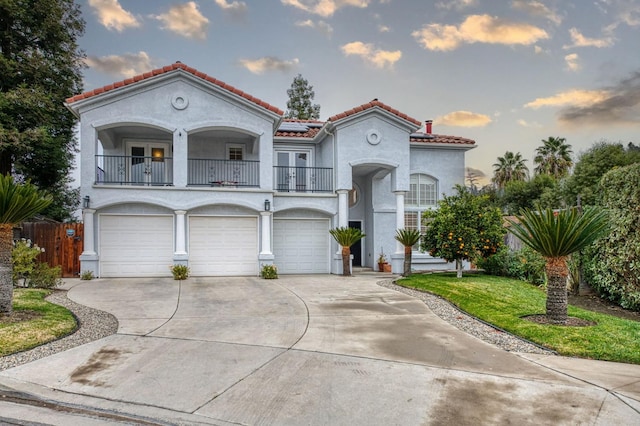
301 246
223 246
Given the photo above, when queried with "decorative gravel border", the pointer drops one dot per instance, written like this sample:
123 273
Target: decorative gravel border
92 325
470 324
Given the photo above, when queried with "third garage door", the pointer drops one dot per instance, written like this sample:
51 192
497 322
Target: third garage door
223 246
301 246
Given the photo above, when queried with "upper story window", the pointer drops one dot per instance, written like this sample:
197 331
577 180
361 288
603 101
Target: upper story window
235 152
423 191
423 195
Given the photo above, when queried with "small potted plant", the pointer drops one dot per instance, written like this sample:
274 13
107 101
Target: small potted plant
382 260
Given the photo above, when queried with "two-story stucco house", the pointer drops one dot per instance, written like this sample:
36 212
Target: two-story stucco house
180 168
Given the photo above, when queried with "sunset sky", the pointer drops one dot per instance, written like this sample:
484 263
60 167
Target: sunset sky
504 73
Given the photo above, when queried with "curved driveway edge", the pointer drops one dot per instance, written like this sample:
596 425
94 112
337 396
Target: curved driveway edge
309 350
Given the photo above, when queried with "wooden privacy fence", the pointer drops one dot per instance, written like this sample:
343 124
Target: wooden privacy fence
62 242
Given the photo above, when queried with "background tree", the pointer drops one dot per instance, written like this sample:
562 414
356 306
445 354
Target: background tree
18 202
509 168
592 165
40 66
408 238
464 227
553 158
556 235
612 264
346 237
300 104
518 195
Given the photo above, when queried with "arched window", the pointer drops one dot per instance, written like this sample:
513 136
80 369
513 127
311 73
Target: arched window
422 195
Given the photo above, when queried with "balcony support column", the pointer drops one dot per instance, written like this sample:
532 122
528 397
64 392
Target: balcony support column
399 217
180 160
343 208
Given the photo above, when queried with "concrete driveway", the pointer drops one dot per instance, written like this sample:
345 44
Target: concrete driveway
303 350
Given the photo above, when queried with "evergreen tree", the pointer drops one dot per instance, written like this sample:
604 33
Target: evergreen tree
40 66
299 105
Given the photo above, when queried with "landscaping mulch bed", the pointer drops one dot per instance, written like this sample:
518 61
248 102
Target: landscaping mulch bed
593 302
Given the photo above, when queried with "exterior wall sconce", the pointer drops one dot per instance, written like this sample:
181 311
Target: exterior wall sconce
267 205
86 201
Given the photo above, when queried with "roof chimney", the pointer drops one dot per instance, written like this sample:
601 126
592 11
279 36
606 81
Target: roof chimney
427 126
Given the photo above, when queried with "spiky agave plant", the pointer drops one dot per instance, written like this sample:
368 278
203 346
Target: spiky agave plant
408 238
555 235
346 237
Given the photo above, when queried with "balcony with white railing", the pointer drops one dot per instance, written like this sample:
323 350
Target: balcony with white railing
223 173
134 170
303 179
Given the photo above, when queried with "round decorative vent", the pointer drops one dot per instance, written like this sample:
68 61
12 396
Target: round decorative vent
179 102
374 137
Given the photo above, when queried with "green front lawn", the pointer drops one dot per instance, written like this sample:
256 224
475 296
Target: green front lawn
35 322
503 301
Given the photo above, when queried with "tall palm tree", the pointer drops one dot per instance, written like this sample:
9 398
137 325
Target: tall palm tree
553 157
408 238
17 203
509 168
555 235
346 237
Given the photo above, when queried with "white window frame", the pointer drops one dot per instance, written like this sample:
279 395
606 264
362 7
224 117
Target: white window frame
419 207
231 146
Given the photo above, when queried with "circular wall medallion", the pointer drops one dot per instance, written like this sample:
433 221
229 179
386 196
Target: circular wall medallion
179 102
374 136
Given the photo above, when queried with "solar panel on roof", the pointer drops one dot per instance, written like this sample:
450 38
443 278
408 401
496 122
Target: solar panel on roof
292 126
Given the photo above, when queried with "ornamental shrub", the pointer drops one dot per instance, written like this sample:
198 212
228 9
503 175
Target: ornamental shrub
524 265
269 272
28 271
612 264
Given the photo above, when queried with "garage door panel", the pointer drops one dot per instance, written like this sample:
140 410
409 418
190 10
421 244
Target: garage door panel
220 246
301 246
135 246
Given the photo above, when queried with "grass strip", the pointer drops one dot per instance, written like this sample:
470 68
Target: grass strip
503 302
34 322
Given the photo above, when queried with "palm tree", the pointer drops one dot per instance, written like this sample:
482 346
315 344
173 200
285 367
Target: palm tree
509 168
407 237
17 203
555 235
346 237
553 157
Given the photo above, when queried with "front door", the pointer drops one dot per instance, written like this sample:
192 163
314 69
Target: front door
292 173
356 249
147 163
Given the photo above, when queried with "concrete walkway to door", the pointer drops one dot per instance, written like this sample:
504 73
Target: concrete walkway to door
300 350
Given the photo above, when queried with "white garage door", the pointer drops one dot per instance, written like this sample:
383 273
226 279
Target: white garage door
136 246
223 246
301 246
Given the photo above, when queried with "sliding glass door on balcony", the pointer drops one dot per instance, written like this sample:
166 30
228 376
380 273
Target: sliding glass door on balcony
291 170
293 173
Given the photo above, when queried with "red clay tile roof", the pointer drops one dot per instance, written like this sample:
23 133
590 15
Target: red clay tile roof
306 129
167 69
432 138
372 104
